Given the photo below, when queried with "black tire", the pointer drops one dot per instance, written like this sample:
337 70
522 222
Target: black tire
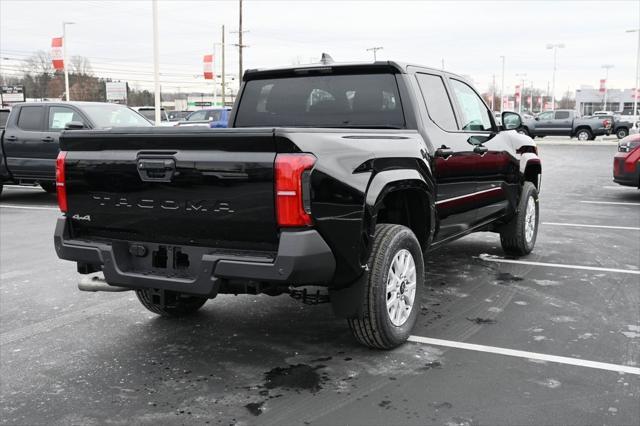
49 187
175 304
376 329
622 133
584 135
513 235
1 186
524 131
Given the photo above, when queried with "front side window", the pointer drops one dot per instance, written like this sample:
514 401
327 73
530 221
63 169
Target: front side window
31 118
546 115
213 115
359 101
59 117
475 115
437 100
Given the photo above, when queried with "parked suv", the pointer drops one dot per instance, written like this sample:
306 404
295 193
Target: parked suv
332 185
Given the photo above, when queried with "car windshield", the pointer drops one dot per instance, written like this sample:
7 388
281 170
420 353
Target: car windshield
106 115
360 101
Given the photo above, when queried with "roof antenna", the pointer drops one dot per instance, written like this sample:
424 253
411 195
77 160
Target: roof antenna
326 59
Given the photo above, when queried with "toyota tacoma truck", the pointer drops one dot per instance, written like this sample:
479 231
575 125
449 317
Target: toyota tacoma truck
29 141
566 122
332 184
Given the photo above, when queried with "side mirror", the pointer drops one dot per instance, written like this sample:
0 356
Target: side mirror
74 125
537 118
511 120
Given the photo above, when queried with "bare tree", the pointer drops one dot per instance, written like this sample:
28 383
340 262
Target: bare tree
80 65
39 63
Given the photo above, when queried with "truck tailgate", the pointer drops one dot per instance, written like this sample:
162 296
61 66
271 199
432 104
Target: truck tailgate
195 186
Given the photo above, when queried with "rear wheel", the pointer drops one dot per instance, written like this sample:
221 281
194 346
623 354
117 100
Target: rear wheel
169 303
50 187
622 133
393 285
584 135
518 237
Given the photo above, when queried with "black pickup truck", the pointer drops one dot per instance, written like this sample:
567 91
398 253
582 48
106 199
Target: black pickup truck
332 184
29 142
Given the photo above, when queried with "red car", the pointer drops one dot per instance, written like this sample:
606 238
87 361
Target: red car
626 163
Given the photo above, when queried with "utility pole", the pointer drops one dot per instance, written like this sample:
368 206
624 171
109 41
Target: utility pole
521 75
65 60
635 92
375 50
493 94
502 86
607 67
223 82
156 63
240 45
555 47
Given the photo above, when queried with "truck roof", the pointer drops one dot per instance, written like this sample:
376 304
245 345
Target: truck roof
76 103
392 66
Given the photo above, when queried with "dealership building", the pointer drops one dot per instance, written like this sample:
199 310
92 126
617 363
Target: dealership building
589 100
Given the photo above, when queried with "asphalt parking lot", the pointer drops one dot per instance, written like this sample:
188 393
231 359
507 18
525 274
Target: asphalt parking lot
70 357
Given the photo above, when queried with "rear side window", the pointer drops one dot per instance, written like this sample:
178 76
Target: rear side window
359 101
562 115
4 116
437 100
31 118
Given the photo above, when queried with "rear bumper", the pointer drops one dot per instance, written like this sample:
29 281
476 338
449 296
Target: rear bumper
303 258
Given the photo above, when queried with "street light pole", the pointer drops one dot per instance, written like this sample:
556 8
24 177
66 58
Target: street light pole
635 92
502 86
156 63
607 67
521 75
555 47
375 50
64 59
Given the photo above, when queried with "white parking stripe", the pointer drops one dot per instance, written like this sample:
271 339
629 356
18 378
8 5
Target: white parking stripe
617 203
579 225
490 258
10 206
37 188
527 355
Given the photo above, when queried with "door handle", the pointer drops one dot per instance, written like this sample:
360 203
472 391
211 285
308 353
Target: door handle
47 139
444 151
12 138
479 149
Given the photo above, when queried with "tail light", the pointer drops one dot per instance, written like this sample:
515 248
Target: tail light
60 181
293 206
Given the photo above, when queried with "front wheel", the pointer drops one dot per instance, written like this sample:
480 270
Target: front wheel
393 284
518 237
524 131
169 303
622 133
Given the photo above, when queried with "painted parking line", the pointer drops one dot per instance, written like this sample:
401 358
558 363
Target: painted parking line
579 225
10 206
616 203
36 188
490 258
527 355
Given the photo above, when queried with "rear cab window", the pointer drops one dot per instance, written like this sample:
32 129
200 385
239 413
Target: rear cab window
333 101
31 118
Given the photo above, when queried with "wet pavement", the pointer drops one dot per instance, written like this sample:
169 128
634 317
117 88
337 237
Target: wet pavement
69 357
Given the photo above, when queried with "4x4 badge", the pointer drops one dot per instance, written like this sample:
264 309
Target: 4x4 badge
86 217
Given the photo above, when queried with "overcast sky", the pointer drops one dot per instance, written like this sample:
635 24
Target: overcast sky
469 36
